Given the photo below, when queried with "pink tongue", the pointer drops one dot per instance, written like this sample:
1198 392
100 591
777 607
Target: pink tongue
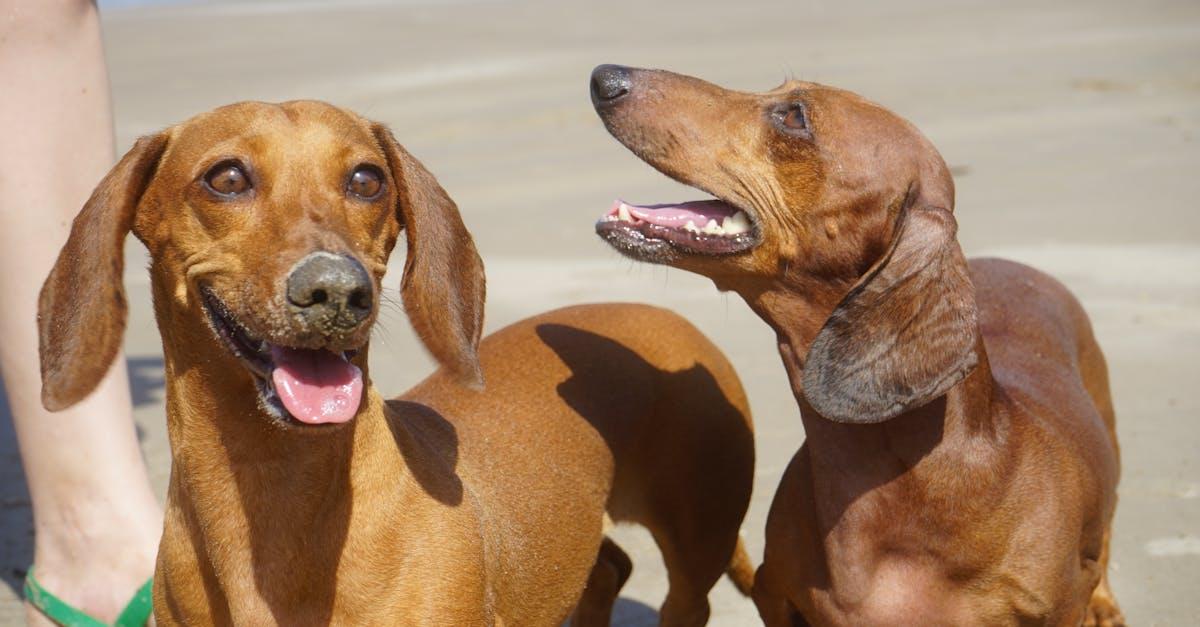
699 212
316 386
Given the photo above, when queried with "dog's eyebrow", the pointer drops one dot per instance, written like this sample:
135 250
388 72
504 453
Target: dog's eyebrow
796 90
789 87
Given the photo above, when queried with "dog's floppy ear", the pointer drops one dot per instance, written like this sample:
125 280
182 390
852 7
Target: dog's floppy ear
82 308
443 285
904 334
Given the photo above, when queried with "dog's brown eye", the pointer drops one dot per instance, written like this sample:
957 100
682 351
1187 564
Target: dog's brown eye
793 118
365 182
227 179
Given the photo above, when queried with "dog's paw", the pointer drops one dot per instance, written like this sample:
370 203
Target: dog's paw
1102 611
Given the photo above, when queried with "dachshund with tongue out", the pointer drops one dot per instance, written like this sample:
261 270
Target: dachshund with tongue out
298 496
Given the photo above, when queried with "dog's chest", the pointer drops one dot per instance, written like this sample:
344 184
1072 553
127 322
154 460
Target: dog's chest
911 592
926 552
913 572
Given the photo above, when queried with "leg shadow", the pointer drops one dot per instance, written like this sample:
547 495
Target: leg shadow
16 517
146 379
630 613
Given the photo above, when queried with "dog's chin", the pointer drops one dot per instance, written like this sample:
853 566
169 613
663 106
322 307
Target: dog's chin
666 233
323 389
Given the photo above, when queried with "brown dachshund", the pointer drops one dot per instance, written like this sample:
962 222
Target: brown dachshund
298 496
961 462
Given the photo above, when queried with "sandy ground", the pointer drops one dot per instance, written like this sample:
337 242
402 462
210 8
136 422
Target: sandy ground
1074 128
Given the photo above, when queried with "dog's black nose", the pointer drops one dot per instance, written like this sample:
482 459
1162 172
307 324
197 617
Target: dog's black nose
331 290
609 83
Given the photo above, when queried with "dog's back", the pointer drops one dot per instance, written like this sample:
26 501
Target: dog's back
1049 368
631 392
1031 323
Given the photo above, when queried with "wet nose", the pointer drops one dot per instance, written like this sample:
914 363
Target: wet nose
331 289
609 84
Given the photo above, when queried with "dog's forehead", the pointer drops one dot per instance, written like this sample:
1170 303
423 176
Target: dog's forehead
297 128
843 112
827 104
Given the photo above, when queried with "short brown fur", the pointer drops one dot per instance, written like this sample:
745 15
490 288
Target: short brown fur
960 463
447 506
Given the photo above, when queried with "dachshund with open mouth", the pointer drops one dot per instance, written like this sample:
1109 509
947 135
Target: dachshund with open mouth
960 463
298 495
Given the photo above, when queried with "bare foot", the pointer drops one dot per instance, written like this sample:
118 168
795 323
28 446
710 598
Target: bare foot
96 568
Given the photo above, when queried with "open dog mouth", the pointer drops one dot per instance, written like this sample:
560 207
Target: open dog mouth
701 227
295 385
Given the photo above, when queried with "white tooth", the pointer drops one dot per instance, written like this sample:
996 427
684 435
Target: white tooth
623 214
691 227
712 228
739 223
611 218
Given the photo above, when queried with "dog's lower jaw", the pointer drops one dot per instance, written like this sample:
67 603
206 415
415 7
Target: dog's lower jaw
637 246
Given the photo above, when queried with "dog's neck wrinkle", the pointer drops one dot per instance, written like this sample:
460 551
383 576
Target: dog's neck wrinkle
796 310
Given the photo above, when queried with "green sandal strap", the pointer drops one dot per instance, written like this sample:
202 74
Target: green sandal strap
55 608
139 608
135 614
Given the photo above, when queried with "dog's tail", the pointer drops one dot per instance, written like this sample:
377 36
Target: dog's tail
740 570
